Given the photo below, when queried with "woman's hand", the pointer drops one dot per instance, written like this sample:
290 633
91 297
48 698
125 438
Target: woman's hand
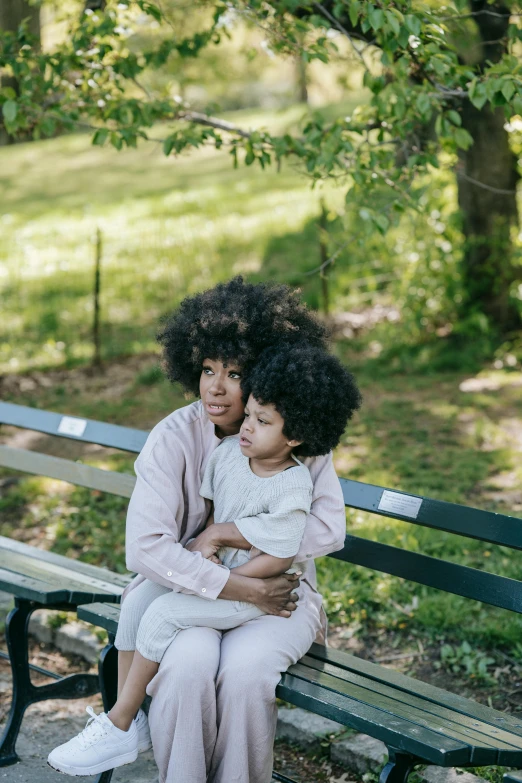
277 594
206 543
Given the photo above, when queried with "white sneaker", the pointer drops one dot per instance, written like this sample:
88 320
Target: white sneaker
142 724
99 747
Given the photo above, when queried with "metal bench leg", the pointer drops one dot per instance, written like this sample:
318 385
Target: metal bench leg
108 672
398 767
16 637
25 693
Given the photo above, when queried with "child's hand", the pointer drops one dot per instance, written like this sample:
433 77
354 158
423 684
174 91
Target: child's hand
204 543
215 559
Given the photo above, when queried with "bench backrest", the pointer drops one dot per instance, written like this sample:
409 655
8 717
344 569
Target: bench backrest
73 428
436 514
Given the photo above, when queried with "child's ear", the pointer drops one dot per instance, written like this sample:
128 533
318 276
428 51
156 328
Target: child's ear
294 443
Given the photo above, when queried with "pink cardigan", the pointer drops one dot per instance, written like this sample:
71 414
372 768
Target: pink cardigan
166 509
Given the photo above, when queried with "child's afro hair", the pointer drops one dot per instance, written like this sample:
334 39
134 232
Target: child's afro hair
313 392
234 321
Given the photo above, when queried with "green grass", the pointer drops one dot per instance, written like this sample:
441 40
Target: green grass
169 227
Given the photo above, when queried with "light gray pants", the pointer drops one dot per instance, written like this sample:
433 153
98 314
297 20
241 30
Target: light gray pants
152 615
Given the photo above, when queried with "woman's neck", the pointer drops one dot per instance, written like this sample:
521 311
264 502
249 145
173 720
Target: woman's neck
225 432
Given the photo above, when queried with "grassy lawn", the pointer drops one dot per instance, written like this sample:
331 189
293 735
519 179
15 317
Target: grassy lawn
169 226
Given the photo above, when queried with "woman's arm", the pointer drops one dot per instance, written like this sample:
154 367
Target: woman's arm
156 507
325 528
264 566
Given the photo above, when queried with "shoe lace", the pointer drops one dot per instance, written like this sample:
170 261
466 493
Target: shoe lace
95 729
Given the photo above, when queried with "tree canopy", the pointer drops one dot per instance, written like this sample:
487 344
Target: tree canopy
444 86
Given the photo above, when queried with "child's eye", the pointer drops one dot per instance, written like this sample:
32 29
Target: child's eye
262 421
247 415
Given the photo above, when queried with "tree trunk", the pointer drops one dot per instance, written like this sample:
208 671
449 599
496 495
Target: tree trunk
489 208
489 214
12 14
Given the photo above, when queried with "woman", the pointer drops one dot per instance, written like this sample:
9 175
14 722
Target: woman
213 711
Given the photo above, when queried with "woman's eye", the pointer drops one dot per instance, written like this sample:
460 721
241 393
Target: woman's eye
207 371
235 375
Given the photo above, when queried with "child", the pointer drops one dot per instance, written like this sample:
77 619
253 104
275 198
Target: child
299 400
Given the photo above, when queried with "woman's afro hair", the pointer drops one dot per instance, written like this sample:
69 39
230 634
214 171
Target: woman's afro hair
234 321
313 392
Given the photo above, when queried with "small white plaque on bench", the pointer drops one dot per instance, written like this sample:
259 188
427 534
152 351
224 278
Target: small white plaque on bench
70 426
396 503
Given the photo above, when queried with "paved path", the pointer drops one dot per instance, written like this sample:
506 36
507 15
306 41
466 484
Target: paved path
50 723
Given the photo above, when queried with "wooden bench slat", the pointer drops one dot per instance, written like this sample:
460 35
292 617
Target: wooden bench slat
451 517
76 566
30 588
432 572
102 615
395 732
33 589
392 710
440 710
54 575
110 435
408 684
63 469
417 710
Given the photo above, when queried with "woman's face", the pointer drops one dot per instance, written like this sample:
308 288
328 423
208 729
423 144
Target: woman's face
220 391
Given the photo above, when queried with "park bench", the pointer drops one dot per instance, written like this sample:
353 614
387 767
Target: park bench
39 579
419 723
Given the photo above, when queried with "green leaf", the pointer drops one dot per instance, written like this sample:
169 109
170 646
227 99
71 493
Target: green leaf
100 137
413 23
9 110
463 139
116 141
375 17
168 145
393 22
455 117
382 222
477 94
355 7
423 103
508 89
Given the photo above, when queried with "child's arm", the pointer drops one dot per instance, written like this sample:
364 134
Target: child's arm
264 566
210 520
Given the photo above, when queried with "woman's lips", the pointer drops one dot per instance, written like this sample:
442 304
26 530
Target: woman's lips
216 410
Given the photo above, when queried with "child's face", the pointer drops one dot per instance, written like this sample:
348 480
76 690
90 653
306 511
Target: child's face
220 391
262 432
